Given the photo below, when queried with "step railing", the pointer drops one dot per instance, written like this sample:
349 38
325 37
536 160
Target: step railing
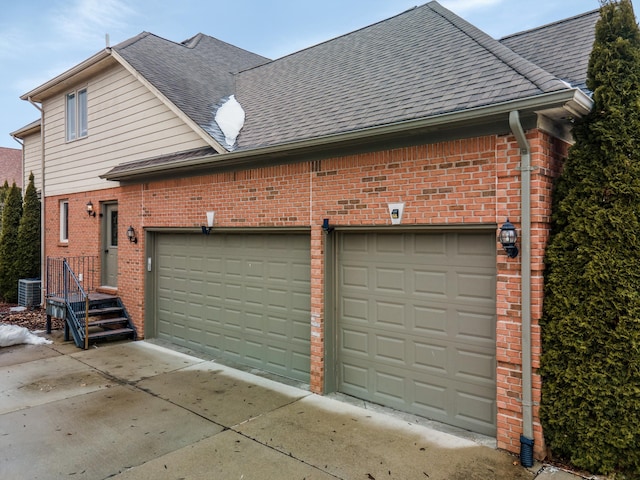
85 269
63 283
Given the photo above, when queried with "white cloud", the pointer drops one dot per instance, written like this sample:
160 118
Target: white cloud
88 20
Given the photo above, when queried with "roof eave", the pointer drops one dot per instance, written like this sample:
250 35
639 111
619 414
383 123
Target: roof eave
30 129
573 102
61 81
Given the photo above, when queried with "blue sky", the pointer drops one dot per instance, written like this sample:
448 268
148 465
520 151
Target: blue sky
40 39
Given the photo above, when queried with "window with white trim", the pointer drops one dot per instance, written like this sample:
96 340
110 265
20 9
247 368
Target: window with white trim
77 114
64 221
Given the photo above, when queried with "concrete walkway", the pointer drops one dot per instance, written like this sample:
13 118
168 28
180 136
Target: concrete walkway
141 411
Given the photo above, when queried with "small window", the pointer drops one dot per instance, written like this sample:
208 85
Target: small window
64 221
77 122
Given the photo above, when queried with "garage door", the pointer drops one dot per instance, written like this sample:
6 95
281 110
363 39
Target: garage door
243 297
416 324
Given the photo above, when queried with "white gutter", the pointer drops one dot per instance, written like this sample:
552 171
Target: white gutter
43 252
525 168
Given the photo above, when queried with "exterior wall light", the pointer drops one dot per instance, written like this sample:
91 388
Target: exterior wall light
90 210
508 237
326 227
210 218
131 235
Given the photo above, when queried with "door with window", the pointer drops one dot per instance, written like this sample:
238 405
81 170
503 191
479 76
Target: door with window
110 245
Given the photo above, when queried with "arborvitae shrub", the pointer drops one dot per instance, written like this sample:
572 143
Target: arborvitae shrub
590 362
28 261
9 245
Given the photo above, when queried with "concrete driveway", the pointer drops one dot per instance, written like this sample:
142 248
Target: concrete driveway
141 411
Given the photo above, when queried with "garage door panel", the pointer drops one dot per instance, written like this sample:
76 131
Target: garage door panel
431 283
434 244
245 297
355 342
278 328
476 411
431 357
390 349
431 399
474 287
355 378
389 387
390 280
416 323
430 320
476 327
356 309
390 314
472 245
355 277
475 367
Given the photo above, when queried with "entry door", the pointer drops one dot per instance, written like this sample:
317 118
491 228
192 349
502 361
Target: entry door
110 251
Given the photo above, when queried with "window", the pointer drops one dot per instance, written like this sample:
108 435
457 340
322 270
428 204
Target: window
77 114
64 221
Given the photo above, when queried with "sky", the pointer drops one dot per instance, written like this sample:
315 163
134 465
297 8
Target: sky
40 39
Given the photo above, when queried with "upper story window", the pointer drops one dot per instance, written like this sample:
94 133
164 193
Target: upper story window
77 114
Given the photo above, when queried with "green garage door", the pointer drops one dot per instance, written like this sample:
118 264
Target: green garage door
244 297
416 324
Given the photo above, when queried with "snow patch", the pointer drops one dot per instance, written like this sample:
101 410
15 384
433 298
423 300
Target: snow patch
15 335
230 119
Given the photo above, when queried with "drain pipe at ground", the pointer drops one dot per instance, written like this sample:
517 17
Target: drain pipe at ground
526 439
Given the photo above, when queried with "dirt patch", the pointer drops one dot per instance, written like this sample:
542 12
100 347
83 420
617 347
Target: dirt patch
31 318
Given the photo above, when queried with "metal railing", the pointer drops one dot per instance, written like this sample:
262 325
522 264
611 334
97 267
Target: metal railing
84 269
71 280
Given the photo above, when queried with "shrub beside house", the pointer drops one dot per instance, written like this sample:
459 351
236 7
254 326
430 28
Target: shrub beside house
354 217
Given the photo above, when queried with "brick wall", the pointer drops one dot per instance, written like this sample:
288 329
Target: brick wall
471 181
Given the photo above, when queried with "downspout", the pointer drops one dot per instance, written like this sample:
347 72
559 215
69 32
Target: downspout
526 439
42 201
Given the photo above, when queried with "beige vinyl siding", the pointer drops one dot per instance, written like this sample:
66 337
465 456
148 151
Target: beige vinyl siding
126 123
32 160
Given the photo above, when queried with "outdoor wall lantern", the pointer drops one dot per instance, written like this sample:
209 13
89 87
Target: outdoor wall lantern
508 237
326 227
210 218
90 209
131 235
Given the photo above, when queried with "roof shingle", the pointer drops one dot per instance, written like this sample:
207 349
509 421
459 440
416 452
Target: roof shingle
559 47
11 166
423 62
194 75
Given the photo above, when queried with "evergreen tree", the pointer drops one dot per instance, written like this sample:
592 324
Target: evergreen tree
590 363
28 261
3 195
9 245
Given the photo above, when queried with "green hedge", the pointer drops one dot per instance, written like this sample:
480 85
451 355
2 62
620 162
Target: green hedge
590 363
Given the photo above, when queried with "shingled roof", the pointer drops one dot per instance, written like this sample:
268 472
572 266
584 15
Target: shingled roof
421 65
195 75
423 62
559 47
11 166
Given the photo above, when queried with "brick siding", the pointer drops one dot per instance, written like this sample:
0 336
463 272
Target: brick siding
470 181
